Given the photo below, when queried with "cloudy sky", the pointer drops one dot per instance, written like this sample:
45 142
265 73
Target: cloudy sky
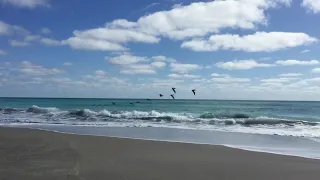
226 49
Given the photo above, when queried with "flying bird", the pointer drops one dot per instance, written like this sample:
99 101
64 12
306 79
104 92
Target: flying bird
160 95
172 96
194 91
174 90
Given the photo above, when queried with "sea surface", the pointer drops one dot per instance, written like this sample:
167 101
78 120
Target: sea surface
272 126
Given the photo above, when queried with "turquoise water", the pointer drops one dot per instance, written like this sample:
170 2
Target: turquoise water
255 117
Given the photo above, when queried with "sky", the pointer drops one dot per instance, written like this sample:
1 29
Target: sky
225 49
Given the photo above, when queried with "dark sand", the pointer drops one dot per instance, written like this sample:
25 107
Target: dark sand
33 154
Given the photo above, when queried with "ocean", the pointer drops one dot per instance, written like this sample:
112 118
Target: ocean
272 126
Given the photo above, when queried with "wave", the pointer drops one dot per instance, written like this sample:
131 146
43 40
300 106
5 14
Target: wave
224 116
37 109
53 114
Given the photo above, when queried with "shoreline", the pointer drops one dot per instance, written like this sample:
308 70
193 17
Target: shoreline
96 157
196 137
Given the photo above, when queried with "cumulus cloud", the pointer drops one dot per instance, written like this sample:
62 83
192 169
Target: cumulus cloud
315 70
93 44
184 68
45 30
194 20
125 59
8 29
100 73
26 3
290 75
50 42
107 39
138 69
163 58
3 52
158 64
177 76
258 42
130 64
297 62
201 18
16 43
311 5
29 68
241 65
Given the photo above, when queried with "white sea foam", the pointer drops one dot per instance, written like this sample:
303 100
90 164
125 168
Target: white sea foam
207 121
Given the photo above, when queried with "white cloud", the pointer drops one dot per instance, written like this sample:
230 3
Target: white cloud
116 35
241 65
126 59
100 73
45 30
297 62
193 20
278 80
4 28
93 44
3 52
311 5
177 6
305 51
50 42
201 18
32 38
258 42
290 75
16 43
8 29
315 70
31 69
230 80
26 3
219 75
163 58
107 38
67 63
184 68
138 69
177 76
158 64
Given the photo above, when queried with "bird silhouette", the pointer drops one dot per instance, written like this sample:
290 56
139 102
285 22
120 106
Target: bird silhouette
194 91
174 90
160 95
113 103
172 96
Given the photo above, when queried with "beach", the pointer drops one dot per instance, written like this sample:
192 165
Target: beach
35 154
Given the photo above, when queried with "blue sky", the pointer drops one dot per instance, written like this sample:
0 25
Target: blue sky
231 49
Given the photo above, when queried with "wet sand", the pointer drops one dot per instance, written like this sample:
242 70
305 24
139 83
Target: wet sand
33 154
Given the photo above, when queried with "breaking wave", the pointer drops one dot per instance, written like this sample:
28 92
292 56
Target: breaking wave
216 121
